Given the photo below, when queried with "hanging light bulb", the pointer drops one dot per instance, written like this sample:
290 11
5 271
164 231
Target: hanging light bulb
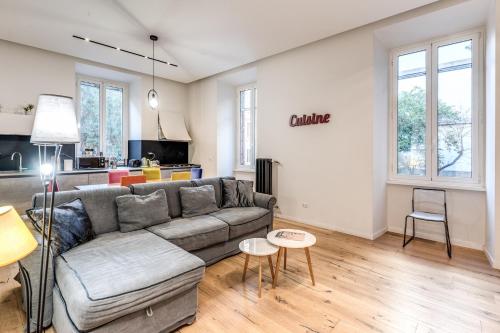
153 99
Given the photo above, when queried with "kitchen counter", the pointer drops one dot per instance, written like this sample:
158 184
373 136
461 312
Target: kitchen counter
35 173
17 188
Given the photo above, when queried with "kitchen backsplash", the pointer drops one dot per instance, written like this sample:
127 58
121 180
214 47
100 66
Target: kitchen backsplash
21 143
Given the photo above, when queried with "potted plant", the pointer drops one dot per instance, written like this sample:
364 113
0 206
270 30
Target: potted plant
28 108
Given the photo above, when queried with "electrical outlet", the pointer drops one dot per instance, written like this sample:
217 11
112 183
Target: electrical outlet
305 205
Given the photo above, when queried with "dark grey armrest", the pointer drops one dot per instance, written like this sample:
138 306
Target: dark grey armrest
32 265
264 200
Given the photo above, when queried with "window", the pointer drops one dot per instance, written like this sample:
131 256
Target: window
102 115
247 98
436 130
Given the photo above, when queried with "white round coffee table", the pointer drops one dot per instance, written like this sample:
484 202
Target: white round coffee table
304 241
258 247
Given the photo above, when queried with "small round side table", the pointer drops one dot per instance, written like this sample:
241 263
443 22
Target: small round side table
284 244
258 247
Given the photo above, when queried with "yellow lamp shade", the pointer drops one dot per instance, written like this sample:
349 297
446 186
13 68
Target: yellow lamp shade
16 241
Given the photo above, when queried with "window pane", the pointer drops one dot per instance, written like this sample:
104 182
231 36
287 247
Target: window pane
246 99
247 140
411 114
89 117
114 122
455 110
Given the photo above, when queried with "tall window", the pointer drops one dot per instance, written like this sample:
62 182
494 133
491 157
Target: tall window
102 113
436 124
247 97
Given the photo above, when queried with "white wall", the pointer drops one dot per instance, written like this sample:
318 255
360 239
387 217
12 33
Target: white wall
492 246
202 120
380 136
26 72
325 167
226 129
334 175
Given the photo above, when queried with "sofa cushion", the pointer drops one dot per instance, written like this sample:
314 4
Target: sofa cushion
216 183
137 212
99 204
230 193
245 193
171 189
120 273
196 201
71 225
243 220
193 233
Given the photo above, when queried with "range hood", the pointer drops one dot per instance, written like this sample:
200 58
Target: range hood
172 127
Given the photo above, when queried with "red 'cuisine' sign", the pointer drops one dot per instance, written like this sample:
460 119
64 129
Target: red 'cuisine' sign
313 119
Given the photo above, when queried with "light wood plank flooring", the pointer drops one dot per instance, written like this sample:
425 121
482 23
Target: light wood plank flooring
361 286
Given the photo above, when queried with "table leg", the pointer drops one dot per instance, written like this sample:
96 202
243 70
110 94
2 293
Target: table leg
277 267
270 262
247 257
284 259
260 277
309 263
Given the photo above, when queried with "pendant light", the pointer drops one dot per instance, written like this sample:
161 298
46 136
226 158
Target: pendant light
152 94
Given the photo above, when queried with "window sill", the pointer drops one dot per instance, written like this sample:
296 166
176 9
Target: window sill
443 185
245 170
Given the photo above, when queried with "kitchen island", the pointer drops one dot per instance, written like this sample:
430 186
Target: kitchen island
18 187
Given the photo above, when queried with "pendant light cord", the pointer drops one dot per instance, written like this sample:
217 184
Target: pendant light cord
153 65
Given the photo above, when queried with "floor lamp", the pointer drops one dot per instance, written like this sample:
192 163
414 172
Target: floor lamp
16 242
55 124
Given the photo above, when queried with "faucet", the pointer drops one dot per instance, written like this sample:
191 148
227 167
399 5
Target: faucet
20 160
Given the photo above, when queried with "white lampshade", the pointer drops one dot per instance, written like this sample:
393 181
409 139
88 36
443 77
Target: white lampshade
55 121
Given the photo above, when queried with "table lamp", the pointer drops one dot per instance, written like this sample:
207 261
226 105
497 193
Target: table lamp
55 124
16 242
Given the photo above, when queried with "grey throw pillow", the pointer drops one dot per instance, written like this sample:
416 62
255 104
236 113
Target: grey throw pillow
245 193
141 211
197 201
230 196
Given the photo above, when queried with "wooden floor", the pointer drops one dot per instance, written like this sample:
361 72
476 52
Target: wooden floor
361 286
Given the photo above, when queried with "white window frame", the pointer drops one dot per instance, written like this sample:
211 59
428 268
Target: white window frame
431 177
253 106
103 84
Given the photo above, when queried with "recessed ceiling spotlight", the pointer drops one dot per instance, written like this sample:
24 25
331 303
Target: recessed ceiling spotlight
87 40
118 49
146 57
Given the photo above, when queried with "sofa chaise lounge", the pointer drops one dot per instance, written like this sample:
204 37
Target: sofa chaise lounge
144 280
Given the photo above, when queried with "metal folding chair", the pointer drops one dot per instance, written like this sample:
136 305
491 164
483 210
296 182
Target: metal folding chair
428 205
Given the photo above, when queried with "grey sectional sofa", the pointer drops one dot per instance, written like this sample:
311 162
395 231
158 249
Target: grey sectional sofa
144 280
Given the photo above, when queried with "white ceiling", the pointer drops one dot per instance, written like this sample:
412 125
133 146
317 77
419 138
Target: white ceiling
204 37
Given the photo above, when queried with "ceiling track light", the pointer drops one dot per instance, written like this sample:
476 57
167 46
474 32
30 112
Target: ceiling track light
123 50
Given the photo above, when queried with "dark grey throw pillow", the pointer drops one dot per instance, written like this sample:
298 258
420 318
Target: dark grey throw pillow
71 225
137 212
197 201
245 193
230 196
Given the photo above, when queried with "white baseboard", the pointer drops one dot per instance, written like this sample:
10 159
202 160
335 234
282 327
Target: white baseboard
441 238
380 232
492 261
334 228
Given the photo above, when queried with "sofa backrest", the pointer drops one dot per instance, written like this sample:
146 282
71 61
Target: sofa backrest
172 191
99 203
